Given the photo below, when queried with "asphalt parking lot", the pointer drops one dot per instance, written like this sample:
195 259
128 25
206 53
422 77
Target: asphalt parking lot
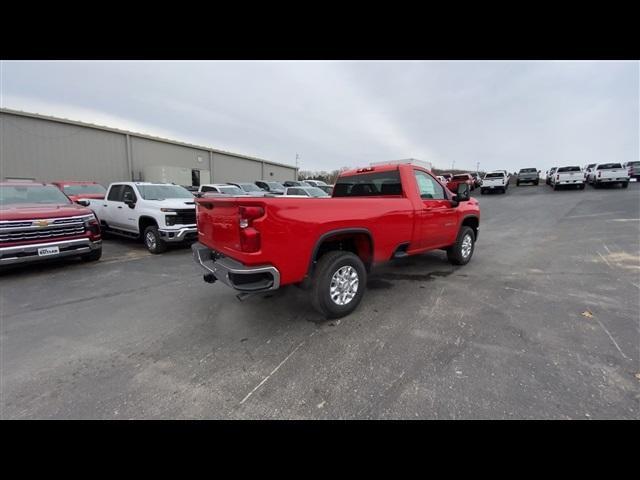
543 323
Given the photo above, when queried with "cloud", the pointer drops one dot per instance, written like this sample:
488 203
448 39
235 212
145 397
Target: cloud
502 114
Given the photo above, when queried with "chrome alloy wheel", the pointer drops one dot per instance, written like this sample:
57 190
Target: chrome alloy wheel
344 285
150 240
467 243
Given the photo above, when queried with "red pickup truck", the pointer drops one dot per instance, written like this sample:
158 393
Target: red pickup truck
38 222
77 190
329 245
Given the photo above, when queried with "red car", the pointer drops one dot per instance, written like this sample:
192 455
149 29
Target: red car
328 245
38 222
76 190
462 178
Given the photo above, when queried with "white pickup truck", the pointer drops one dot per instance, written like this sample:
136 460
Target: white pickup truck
495 181
568 176
609 173
159 213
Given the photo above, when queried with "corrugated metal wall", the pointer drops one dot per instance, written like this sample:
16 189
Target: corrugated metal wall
47 151
50 150
147 152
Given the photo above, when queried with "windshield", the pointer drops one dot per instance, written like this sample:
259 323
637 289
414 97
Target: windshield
275 185
460 177
45 194
91 188
528 170
250 187
494 175
162 192
569 169
606 166
316 192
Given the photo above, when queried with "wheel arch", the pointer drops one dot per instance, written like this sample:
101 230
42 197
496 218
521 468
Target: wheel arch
356 240
471 221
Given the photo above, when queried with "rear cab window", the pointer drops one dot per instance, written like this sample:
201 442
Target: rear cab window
374 184
606 166
569 169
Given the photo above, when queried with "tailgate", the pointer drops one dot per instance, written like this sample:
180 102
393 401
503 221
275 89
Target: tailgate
218 223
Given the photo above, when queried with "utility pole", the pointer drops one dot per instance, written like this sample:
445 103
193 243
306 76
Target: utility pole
453 162
297 171
478 167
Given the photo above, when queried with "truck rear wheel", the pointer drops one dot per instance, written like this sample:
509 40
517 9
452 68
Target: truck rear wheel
625 184
152 240
461 252
338 284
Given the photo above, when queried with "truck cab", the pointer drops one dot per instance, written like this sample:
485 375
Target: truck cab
159 213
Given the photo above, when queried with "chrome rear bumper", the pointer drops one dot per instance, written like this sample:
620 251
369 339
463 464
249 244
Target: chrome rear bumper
234 274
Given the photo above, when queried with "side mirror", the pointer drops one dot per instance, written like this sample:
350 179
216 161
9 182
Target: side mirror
539 172
130 202
462 194
84 203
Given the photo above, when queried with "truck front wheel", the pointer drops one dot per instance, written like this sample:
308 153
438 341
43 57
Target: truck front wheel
338 284
460 252
152 240
93 256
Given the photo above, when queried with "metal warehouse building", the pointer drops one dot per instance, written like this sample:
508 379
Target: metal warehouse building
48 148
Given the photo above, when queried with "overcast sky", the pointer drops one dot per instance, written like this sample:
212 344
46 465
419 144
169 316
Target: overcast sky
501 114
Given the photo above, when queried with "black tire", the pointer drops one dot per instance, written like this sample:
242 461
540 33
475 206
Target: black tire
455 253
482 191
94 256
581 187
555 187
625 184
327 267
517 183
536 182
152 240
596 184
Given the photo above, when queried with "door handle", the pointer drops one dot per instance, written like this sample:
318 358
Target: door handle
104 205
119 206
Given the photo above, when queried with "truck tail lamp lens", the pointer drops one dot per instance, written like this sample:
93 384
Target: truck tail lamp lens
249 236
557 177
599 174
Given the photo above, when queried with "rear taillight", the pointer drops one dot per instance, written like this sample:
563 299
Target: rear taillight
599 174
557 177
249 236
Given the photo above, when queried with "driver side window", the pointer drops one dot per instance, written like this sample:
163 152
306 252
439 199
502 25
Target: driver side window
128 195
428 187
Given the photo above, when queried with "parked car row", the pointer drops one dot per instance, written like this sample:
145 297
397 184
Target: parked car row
262 188
596 174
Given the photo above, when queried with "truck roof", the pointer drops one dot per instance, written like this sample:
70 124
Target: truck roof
381 168
17 183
